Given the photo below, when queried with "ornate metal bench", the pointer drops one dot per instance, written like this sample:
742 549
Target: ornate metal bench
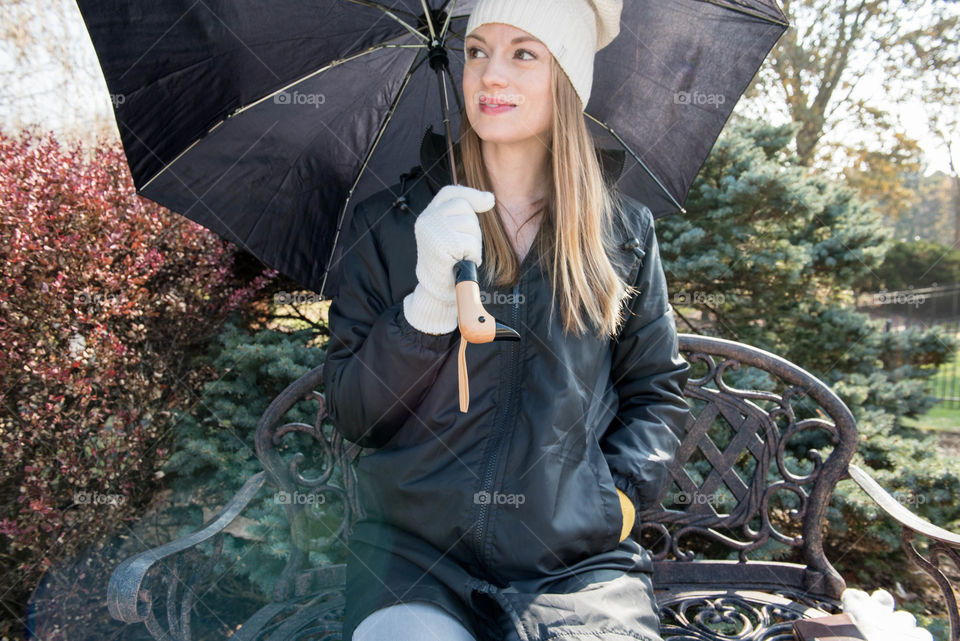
735 491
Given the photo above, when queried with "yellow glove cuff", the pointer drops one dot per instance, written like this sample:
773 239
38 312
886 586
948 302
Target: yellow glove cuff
629 514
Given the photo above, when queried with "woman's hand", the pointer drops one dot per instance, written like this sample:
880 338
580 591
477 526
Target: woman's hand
629 514
447 231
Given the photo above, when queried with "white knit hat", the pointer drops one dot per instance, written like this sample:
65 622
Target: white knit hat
563 26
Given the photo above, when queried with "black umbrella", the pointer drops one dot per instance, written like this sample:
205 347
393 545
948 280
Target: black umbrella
266 122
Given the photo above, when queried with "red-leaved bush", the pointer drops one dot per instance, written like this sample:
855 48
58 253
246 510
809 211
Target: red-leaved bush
103 295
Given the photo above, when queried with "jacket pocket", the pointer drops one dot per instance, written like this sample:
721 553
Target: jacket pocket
609 498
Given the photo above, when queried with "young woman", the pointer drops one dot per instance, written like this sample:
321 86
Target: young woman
512 520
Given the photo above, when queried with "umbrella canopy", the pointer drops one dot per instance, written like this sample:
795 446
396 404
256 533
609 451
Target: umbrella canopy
267 122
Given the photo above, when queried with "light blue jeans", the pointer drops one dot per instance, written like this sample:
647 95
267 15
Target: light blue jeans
412 621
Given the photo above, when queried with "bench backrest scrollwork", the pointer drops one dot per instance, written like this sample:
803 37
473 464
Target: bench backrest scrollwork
756 467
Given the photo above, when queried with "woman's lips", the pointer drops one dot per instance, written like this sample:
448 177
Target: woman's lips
495 109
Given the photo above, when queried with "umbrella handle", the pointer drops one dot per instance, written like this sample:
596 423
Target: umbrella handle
476 324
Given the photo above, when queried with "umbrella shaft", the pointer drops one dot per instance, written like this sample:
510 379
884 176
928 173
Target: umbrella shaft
445 106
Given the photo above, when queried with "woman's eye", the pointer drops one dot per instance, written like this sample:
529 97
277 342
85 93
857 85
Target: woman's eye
524 54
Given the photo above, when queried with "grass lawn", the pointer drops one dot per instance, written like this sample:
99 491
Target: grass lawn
939 418
945 416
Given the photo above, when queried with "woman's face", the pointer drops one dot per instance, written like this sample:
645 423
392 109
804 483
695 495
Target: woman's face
506 85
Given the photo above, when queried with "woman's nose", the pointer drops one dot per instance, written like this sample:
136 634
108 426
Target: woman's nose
493 73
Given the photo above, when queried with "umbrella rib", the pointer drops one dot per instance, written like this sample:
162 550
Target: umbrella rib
453 8
366 161
426 13
377 5
446 22
388 11
270 95
747 12
637 158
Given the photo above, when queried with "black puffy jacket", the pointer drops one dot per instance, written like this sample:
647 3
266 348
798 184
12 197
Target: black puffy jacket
522 486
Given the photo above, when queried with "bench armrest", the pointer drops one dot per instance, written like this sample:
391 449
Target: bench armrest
896 509
944 543
127 600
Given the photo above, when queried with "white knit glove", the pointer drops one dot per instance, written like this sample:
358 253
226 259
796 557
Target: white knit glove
447 231
874 615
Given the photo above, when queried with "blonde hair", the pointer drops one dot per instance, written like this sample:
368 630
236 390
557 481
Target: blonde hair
577 222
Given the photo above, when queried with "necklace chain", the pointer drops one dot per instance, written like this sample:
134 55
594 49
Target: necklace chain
504 209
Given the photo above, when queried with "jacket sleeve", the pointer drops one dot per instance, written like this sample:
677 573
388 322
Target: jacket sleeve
378 367
649 375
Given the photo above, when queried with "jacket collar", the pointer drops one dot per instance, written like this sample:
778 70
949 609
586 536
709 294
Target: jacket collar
435 163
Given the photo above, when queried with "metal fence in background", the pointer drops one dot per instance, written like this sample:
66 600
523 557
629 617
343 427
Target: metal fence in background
945 385
923 307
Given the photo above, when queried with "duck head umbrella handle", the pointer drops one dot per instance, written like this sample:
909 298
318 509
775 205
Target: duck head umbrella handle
476 325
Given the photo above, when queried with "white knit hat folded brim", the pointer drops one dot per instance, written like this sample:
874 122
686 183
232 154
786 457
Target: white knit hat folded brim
573 30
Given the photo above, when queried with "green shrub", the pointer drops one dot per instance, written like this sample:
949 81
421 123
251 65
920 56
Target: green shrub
913 263
213 452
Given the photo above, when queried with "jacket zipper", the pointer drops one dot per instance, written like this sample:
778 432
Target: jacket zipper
483 515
